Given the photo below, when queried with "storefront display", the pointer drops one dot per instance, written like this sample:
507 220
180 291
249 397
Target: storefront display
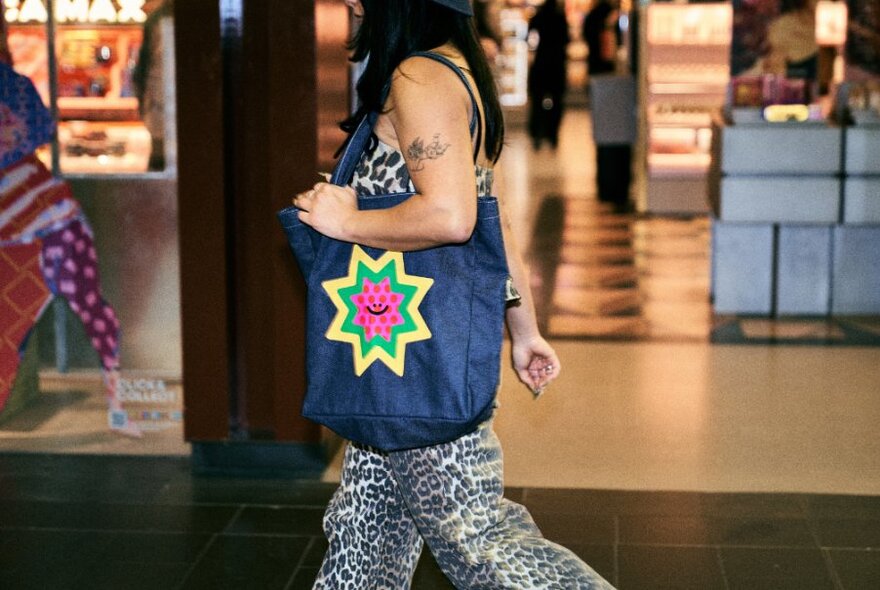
684 65
97 47
103 156
862 101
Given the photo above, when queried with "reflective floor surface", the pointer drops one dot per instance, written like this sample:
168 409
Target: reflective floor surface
94 523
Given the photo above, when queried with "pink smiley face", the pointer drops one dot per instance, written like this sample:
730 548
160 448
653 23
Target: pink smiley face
378 309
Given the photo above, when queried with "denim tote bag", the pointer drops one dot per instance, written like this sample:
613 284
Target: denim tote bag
402 349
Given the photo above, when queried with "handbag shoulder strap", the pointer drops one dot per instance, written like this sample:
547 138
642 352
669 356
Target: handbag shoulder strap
345 167
354 147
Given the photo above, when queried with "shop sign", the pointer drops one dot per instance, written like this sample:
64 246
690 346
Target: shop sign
76 11
150 405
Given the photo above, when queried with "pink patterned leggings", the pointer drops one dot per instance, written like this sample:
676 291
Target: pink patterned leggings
70 269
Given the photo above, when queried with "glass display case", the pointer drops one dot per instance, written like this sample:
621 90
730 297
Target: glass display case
101 128
684 69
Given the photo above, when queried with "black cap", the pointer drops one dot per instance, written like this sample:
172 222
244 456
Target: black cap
462 6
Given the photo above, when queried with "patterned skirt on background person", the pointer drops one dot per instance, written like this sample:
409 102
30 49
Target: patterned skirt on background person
47 250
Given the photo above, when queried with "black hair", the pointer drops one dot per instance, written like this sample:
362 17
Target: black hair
391 30
481 22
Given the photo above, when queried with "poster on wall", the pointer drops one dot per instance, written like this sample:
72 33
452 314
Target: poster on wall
779 37
47 250
774 37
863 40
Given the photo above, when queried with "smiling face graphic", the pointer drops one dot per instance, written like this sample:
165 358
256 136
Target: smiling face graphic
377 297
378 309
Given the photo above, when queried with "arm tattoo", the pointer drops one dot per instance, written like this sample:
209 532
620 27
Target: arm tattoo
419 152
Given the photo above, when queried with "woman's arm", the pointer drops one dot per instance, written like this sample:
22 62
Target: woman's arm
430 114
534 360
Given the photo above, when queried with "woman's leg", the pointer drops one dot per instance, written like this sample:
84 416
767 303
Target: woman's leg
479 539
374 543
70 268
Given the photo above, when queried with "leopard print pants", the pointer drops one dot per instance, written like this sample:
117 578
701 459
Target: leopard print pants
450 495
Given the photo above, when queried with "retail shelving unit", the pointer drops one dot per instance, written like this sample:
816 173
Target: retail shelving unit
684 70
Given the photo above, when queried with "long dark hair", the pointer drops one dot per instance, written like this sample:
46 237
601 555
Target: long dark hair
391 30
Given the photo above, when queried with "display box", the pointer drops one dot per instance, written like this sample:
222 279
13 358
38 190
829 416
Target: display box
803 263
742 268
863 150
861 200
856 270
781 148
780 199
747 115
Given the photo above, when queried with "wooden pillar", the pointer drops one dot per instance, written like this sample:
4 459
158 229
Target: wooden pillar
247 121
202 210
4 47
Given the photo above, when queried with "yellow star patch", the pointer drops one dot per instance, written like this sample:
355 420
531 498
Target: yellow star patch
377 309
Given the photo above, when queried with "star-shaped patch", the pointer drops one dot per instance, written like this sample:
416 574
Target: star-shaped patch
377 309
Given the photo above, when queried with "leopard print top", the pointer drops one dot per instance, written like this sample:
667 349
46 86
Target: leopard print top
382 170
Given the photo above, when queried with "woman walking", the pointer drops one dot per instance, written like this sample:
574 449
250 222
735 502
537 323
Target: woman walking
438 135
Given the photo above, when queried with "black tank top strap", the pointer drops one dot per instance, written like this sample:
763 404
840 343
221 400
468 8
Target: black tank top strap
358 140
476 126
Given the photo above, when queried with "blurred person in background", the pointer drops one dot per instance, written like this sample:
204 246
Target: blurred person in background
601 34
547 75
148 82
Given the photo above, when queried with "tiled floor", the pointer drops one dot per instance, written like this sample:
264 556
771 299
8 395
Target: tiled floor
129 523
598 275
602 276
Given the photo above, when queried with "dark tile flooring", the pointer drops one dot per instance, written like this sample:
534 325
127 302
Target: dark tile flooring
129 523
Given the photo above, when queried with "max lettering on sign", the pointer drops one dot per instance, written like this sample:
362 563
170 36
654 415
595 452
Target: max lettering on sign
76 11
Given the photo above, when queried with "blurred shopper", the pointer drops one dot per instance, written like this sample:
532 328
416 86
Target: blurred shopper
449 494
600 32
793 51
149 85
612 106
547 76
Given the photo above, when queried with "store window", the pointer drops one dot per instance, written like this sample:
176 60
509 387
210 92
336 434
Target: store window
109 81
91 340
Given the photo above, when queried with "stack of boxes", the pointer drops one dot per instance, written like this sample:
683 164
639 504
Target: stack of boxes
797 219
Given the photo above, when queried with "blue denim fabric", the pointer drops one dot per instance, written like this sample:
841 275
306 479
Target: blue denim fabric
450 379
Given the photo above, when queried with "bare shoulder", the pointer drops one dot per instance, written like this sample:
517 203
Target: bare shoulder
418 79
